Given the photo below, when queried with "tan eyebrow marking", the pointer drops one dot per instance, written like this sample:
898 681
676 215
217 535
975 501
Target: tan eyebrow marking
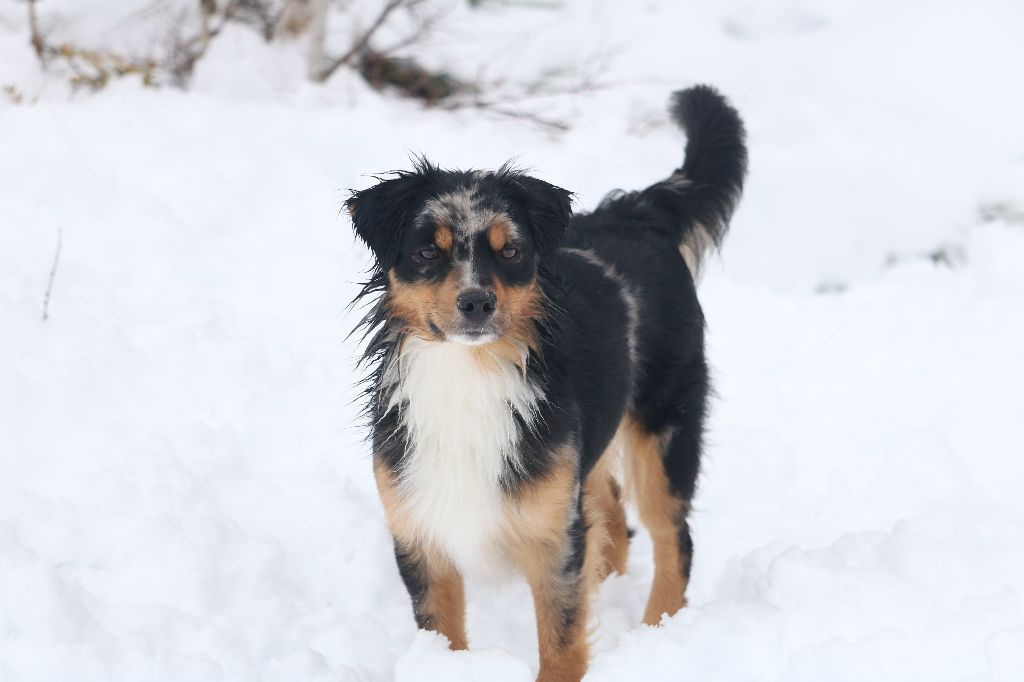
498 233
443 236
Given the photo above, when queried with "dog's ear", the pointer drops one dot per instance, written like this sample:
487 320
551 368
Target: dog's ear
548 209
380 213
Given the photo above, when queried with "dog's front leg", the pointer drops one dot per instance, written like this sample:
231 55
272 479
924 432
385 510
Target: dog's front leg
560 600
434 583
436 589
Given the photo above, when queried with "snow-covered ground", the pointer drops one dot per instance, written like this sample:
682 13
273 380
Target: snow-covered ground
184 490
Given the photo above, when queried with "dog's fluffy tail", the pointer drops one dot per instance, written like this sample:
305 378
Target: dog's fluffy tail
695 203
710 180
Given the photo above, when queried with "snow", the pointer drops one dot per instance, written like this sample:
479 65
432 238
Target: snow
185 493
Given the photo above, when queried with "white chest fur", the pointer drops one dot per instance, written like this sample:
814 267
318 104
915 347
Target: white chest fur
463 437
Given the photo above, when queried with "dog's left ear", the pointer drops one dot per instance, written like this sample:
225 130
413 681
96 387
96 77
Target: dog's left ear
380 213
548 207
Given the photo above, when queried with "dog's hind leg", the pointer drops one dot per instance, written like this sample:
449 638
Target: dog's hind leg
663 502
605 495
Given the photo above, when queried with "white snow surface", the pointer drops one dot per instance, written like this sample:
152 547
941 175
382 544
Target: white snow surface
185 492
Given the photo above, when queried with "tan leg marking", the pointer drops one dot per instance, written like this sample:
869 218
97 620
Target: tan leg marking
662 512
440 604
604 491
446 600
538 543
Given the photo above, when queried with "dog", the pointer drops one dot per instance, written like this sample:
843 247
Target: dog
520 358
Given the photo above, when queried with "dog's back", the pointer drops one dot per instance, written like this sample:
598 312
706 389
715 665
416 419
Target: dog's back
637 239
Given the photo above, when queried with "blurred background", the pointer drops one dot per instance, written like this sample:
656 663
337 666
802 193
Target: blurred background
185 493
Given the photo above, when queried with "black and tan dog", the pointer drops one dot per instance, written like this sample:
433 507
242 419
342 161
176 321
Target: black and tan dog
516 350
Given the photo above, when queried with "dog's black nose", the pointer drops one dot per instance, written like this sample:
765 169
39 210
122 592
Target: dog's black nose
476 304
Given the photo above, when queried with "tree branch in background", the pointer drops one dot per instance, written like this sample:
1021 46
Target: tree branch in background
508 99
258 13
90 68
305 17
184 53
408 78
317 35
362 42
53 274
207 8
536 119
528 4
295 18
382 70
36 37
383 67
424 27
94 69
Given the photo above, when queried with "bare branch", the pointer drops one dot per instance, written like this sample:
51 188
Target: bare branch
185 53
501 110
207 8
504 97
317 36
94 69
294 19
423 29
362 43
36 37
527 4
53 274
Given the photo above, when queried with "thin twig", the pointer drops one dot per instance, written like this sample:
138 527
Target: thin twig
53 273
363 41
185 54
207 8
525 4
37 38
480 105
426 26
535 91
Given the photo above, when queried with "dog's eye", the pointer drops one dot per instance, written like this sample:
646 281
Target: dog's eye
509 252
429 253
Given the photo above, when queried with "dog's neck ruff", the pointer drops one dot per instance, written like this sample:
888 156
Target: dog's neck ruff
463 409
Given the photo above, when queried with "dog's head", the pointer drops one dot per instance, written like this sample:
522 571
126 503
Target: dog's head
460 252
